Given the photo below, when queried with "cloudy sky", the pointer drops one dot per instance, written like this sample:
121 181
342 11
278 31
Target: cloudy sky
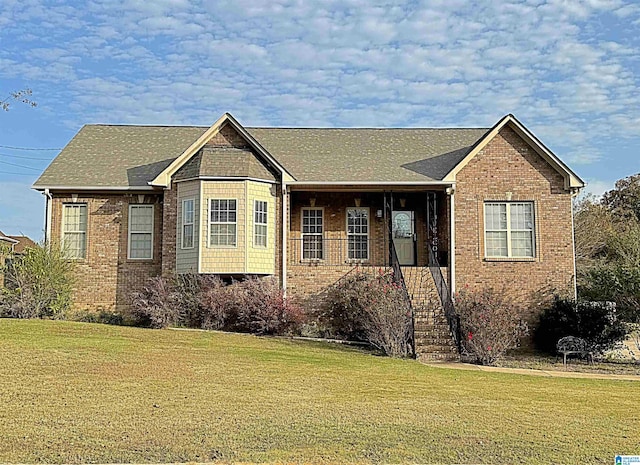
568 69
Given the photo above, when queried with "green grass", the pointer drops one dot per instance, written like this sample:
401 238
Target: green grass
76 392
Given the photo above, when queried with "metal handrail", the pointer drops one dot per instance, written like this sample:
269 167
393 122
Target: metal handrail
445 298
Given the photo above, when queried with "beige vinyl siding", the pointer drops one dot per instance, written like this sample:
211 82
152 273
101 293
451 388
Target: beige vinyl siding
223 259
261 260
187 259
244 257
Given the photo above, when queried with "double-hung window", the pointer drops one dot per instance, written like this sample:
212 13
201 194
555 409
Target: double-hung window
140 231
74 230
358 233
312 234
260 210
188 214
509 229
223 222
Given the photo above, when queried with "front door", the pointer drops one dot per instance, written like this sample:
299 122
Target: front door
404 236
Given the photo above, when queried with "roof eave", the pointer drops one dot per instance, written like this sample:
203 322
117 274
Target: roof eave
42 188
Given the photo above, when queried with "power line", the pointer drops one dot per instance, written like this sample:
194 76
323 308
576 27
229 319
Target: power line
17 174
26 158
20 166
23 148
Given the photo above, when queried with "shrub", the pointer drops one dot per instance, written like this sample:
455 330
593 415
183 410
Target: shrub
157 304
259 307
596 322
490 323
214 306
39 284
615 282
254 305
372 308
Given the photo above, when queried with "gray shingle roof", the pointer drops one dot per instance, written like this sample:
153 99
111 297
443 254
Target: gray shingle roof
130 156
117 156
224 162
367 155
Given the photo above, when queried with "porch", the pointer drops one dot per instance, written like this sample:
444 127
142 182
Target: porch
352 228
332 234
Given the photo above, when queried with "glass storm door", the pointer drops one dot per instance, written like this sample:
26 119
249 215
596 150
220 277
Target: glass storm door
404 236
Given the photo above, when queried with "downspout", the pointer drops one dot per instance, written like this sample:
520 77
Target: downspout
47 216
574 193
452 240
284 235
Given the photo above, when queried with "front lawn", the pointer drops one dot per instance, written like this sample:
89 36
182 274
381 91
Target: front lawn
76 392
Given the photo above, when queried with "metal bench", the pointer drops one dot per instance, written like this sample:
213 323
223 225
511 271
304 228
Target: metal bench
571 345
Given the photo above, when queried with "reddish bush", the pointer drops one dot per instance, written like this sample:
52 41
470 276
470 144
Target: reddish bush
490 323
156 305
260 307
370 307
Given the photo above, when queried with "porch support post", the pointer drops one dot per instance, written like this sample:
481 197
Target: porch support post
452 240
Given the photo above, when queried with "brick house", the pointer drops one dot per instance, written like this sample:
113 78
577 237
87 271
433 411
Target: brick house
11 247
444 207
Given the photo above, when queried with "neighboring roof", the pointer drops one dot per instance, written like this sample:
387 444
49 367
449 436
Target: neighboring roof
139 157
8 239
117 156
224 162
22 243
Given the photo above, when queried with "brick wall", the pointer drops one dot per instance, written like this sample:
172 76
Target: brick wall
169 225
508 169
106 277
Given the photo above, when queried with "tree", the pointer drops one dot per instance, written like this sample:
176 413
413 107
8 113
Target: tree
22 96
624 200
607 234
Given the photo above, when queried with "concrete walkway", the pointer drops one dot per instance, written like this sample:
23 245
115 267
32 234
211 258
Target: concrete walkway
532 372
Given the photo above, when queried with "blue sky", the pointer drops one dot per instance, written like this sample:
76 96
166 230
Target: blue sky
568 69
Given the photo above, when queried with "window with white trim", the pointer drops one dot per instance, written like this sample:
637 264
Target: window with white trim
312 233
74 230
140 232
358 233
260 211
509 229
188 231
223 215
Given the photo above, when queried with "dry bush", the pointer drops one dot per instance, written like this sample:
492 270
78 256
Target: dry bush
490 323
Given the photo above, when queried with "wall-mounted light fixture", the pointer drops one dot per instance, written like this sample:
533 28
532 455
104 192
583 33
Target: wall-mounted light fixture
378 213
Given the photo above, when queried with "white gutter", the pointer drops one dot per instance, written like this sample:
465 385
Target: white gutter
452 241
96 188
284 235
370 183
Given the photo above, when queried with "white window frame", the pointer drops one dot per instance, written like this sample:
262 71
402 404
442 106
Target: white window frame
185 223
349 235
210 223
509 230
64 232
259 224
303 234
133 206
